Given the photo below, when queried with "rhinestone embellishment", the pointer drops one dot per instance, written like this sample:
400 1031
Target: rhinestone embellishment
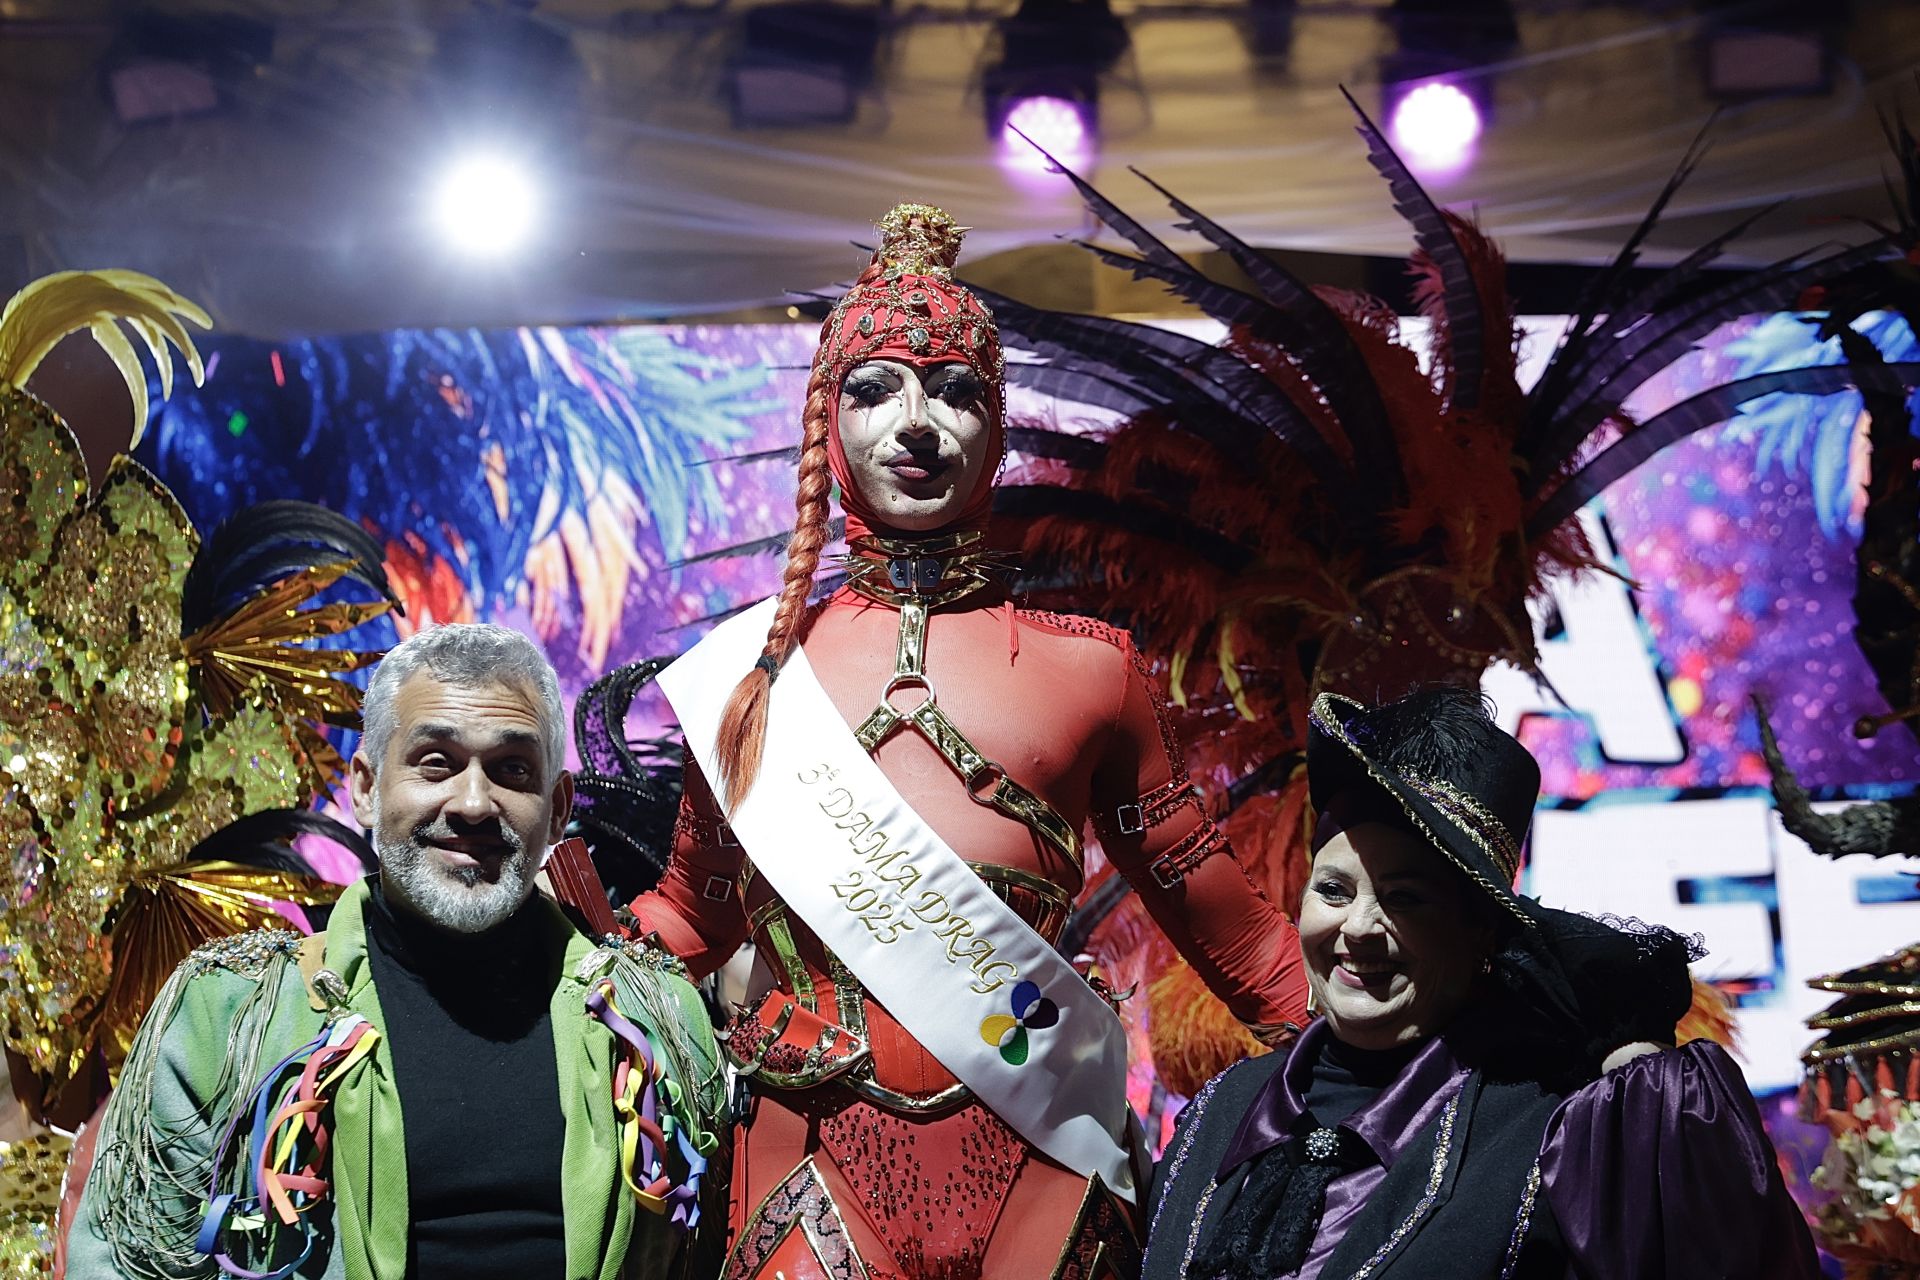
1321 1145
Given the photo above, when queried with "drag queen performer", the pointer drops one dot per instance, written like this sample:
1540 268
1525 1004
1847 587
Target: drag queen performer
904 774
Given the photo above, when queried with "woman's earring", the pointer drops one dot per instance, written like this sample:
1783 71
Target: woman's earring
1486 966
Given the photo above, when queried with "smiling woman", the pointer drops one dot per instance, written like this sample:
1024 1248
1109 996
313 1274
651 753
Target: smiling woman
1392 938
1490 1089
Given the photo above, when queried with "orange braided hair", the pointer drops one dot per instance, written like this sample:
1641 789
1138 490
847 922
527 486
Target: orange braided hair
743 723
904 305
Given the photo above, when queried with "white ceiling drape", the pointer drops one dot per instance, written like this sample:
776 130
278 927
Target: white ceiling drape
299 210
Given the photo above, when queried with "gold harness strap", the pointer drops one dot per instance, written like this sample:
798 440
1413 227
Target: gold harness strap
916 583
914 578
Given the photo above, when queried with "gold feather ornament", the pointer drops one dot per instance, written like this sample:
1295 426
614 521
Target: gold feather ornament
40 315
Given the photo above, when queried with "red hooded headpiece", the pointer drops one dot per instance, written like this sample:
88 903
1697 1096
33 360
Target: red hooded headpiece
906 307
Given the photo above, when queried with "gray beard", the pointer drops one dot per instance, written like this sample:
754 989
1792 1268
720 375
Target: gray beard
462 900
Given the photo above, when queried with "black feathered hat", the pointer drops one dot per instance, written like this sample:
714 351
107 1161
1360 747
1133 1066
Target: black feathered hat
1433 761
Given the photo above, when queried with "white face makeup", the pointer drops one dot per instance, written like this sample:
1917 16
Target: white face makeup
916 440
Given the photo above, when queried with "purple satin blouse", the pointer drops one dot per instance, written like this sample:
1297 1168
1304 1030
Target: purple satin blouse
1659 1168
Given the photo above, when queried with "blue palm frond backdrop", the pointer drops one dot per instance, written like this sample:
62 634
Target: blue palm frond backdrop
472 446
1813 439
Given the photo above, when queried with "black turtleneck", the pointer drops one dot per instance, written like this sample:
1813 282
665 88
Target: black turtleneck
1346 1079
468 1024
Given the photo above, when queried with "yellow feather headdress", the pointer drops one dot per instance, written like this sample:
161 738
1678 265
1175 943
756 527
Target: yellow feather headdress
50 308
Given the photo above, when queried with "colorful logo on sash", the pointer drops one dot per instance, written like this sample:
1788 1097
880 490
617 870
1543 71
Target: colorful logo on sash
1008 1032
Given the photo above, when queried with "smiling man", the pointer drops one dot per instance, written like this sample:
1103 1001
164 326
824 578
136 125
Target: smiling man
428 1088
453 776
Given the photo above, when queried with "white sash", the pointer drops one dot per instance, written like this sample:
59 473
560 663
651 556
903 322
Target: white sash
960 970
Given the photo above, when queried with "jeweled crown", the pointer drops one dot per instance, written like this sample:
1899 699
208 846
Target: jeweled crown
919 240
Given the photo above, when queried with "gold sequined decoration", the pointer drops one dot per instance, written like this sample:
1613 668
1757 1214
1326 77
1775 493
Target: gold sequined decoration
123 746
30 1175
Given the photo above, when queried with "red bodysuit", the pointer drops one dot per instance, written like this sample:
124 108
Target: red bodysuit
923 1180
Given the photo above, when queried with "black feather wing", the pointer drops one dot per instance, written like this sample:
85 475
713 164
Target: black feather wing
1656 341
1709 408
1314 335
260 544
265 840
1466 325
627 792
1202 388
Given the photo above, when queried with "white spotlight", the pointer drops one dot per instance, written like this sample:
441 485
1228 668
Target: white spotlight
485 204
1436 126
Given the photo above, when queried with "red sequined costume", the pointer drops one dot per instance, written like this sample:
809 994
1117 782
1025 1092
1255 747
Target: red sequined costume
891 1168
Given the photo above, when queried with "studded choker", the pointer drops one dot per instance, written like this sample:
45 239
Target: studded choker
932 571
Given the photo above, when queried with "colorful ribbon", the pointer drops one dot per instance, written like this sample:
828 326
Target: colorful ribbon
647 1130
287 1145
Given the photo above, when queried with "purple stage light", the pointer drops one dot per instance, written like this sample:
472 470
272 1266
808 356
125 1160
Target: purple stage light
1435 126
1061 128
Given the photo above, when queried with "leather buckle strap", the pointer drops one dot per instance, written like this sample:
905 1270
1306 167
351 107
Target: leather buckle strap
1024 806
1192 849
979 774
1169 798
910 653
1006 795
1020 804
876 728
962 755
909 672
1155 807
926 572
916 575
885 717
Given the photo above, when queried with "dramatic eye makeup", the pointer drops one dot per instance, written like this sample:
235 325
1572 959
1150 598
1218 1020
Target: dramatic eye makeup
958 386
870 386
1333 887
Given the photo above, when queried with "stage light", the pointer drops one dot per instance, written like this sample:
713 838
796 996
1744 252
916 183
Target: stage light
1437 85
169 67
1052 54
1434 126
1062 129
802 62
485 205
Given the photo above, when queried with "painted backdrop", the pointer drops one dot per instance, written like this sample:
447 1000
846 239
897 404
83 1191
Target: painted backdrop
574 484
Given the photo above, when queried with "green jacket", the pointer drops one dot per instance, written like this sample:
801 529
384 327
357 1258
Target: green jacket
239 1005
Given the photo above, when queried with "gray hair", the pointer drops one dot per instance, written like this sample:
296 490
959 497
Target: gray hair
470 655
